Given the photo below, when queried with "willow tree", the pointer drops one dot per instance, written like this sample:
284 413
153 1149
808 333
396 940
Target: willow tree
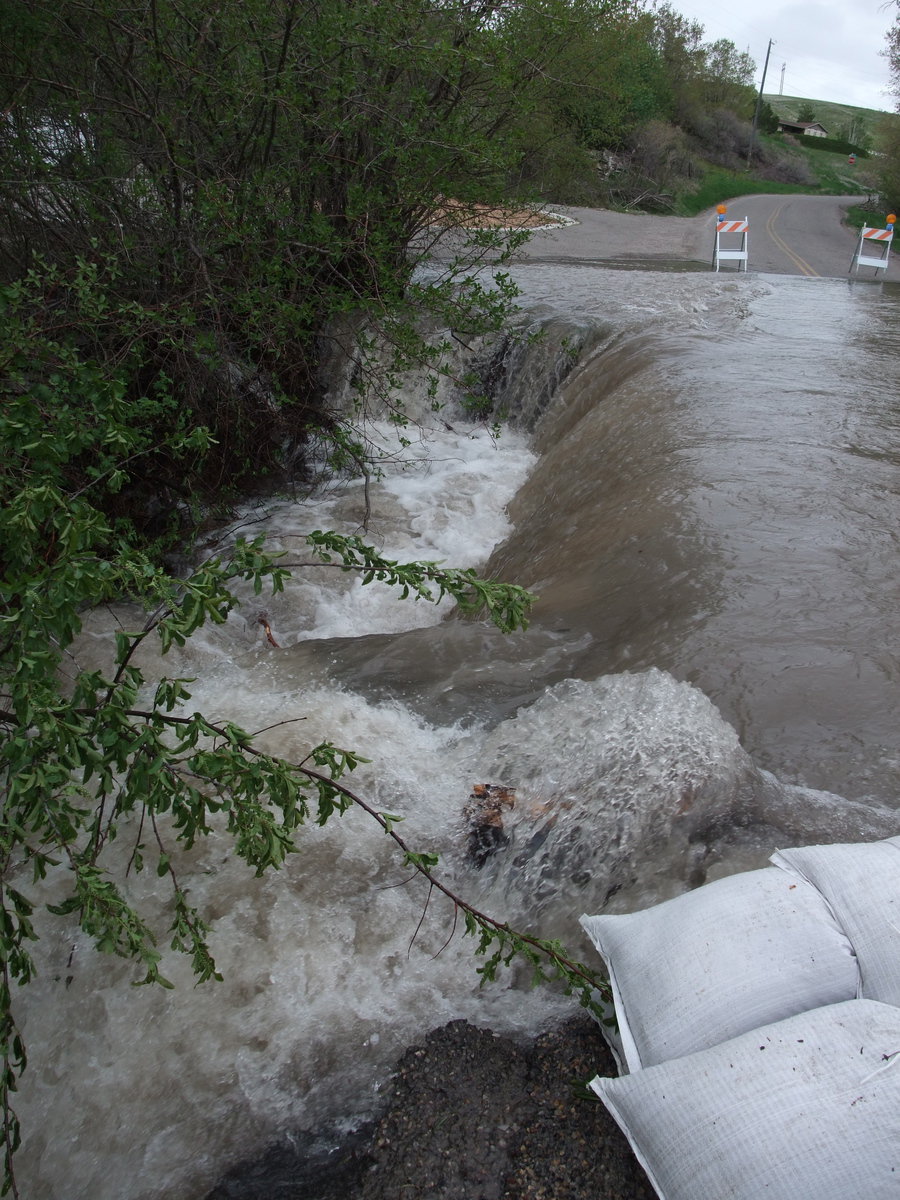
600 86
248 171
192 198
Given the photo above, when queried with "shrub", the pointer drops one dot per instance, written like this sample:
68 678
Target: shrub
721 137
834 146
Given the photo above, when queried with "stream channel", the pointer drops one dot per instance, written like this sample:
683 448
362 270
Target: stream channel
701 482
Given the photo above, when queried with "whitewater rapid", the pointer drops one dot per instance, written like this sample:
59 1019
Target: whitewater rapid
630 783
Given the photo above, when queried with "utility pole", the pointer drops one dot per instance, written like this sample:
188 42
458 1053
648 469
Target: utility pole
781 85
758 103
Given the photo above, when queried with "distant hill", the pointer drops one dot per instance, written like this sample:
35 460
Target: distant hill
835 117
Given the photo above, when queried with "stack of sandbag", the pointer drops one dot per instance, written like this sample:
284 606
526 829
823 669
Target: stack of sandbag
759 1026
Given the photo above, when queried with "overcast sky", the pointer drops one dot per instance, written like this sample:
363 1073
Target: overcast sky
830 49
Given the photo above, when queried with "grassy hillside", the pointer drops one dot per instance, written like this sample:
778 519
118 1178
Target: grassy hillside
827 174
835 117
832 174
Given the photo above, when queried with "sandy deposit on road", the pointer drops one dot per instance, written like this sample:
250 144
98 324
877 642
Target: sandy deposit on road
486 216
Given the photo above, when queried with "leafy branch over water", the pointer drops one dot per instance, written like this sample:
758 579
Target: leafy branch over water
175 294
87 768
506 604
497 941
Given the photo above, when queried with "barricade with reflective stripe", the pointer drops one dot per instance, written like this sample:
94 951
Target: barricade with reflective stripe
736 228
882 238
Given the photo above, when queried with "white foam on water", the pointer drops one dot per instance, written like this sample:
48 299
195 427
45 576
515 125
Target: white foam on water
621 782
139 1093
442 498
143 1092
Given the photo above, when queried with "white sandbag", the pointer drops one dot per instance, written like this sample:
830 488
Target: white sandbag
711 964
806 1109
861 883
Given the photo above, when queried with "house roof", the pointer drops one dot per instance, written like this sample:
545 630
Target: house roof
802 125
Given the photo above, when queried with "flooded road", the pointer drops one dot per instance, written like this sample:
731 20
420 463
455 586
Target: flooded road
701 481
731 512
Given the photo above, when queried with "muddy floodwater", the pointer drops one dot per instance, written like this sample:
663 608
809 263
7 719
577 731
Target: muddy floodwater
721 499
701 482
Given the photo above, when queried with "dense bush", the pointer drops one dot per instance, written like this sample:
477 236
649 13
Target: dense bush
660 151
655 164
782 165
834 146
721 136
241 182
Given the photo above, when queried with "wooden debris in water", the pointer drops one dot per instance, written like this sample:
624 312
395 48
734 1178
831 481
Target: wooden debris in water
484 814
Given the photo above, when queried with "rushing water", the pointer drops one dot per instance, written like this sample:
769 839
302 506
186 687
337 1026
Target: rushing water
731 514
708 506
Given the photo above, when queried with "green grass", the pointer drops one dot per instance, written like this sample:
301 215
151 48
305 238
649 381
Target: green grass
833 174
720 185
838 178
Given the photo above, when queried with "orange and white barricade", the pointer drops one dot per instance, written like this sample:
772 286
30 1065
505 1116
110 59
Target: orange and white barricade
731 230
872 238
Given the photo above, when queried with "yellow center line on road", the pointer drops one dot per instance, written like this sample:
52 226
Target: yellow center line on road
800 263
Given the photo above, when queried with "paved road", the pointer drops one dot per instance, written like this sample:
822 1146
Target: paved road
799 235
789 235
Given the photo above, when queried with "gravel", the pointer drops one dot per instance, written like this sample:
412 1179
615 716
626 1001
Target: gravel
469 1116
